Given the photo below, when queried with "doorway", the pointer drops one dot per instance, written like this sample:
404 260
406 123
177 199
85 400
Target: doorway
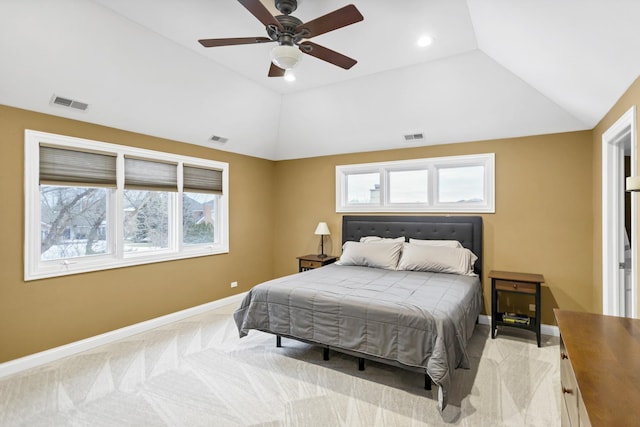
619 241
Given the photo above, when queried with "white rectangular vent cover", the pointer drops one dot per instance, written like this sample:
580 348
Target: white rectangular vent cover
216 138
70 103
413 136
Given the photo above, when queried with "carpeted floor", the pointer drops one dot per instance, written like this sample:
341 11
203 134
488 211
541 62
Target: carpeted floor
197 372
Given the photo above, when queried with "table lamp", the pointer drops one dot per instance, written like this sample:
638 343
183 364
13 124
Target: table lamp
323 230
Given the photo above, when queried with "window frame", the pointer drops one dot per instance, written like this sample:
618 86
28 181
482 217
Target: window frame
36 268
432 165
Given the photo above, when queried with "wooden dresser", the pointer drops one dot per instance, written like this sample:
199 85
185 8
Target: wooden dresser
600 369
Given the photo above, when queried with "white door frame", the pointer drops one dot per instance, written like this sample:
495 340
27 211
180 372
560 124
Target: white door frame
612 205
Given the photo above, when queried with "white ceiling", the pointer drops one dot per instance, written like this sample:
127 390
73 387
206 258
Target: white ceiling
496 69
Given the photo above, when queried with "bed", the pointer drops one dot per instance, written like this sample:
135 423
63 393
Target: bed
395 296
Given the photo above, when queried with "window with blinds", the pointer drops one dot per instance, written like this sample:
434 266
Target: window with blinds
201 188
92 205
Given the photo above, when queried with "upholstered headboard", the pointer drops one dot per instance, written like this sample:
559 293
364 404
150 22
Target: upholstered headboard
465 229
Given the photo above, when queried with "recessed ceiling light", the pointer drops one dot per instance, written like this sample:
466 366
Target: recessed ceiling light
424 41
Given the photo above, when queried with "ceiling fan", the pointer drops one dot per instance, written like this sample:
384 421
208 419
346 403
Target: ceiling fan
291 34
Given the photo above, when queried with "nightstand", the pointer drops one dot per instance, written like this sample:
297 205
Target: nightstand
309 262
519 283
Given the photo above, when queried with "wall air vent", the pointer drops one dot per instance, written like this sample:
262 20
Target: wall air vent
216 138
413 136
69 103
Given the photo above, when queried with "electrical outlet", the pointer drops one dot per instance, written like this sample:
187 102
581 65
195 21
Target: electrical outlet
234 284
532 307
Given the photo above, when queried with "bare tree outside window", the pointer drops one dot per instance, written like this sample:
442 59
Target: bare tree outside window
146 220
73 221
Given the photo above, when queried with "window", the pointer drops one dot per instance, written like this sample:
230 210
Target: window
409 186
363 188
443 184
91 206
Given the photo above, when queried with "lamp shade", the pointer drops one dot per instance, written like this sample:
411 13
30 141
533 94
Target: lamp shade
322 229
285 56
633 183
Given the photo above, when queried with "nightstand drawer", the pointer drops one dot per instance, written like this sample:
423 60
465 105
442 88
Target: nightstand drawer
506 285
310 264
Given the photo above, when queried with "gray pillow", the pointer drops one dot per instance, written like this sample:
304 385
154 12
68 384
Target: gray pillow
437 259
378 254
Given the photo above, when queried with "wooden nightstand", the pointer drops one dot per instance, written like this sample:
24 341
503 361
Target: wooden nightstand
521 283
309 262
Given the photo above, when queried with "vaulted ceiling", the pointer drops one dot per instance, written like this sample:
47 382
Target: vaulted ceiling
495 69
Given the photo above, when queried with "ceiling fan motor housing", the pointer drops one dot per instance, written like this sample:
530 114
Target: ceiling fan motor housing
286 6
288 36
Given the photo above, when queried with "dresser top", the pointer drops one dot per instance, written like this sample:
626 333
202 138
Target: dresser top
605 357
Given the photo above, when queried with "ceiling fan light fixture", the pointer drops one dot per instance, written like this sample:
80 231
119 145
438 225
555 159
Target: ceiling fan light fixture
285 56
289 76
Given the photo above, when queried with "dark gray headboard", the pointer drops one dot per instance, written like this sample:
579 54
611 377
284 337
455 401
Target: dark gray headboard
466 229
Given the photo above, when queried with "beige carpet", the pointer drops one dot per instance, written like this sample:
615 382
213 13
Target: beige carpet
197 372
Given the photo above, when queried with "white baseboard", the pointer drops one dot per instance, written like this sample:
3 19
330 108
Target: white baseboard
37 359
544 329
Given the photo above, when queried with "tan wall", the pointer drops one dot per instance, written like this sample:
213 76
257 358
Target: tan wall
547 221
630 97
543 220
42 314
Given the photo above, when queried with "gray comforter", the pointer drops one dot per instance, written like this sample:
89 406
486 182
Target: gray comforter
416 319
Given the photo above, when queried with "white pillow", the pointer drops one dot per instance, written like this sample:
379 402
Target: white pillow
437 259
376 239
447 243
379 254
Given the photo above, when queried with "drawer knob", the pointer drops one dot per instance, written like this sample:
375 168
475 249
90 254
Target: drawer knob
567 390
563 356
515 286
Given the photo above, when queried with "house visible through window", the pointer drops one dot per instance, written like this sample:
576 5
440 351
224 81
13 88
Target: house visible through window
92 205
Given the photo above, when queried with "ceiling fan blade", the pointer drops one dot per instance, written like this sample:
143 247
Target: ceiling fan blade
234 41
258 10
331 21
275 71
328 55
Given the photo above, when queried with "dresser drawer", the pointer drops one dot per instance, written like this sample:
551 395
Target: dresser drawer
506 285
310 264
568 389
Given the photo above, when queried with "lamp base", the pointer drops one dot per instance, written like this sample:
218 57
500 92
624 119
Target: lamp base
323 256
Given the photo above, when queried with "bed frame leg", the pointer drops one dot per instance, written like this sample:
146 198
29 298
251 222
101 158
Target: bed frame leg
360 364
325 353
427 382
278 341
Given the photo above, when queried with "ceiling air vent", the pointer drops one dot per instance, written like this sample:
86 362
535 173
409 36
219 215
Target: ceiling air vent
216 138
70 103
413 136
